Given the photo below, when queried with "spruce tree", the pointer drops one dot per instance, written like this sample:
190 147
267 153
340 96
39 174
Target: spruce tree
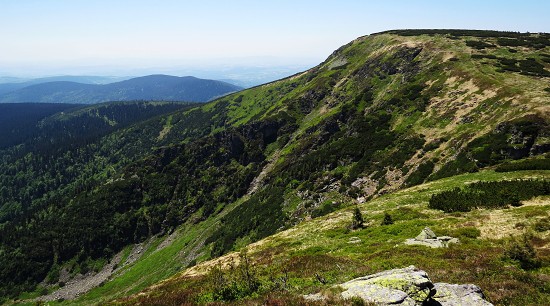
387 219
357 220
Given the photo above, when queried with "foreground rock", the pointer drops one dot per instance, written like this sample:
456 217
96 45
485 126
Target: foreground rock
408 286
457 295
428 238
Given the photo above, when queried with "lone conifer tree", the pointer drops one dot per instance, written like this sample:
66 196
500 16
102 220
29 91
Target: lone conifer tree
387 219
357 220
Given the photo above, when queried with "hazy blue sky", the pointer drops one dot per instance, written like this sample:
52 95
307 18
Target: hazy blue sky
40 36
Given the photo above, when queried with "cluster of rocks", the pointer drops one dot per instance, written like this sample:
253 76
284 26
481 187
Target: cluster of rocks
428 238
408 286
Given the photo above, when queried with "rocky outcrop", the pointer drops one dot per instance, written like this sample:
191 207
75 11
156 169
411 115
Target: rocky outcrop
408 286
428 238
457 295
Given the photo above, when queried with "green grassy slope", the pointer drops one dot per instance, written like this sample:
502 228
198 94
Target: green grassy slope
323 248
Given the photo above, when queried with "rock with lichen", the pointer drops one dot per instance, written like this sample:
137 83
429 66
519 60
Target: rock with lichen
428 238
457 295
407 287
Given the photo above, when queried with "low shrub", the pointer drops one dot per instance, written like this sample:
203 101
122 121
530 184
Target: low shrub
523 251
388 220
477 44
236 282
325 208
488 195
466 232
542 225
525 164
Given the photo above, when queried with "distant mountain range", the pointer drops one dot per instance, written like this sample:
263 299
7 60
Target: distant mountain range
9 84
87 91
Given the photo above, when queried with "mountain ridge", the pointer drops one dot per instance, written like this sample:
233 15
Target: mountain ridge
8 84
152 87
382 113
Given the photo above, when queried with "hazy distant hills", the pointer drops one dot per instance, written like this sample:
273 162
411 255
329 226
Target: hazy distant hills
9 84
152 87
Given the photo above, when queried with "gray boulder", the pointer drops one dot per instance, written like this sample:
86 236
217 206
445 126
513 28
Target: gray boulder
426 233
457 295
428 238
406 286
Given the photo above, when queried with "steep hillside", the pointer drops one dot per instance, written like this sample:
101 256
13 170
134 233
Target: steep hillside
383 112
320 253
17 121
153 87
62 152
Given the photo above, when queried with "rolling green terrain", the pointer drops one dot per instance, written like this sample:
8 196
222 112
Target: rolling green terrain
293 158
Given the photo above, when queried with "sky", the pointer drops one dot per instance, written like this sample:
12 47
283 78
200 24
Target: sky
122 37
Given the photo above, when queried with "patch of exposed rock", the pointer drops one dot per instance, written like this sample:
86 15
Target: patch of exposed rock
428 238
408 286
80 284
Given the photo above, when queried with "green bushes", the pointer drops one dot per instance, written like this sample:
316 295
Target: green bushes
466 232
488 195
526 41
542 225
537 41
462 164
388 220
477 44
523 251
526 164
248 219
239 98
459 33
513 139
235 283
325 208
422 172
529 66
